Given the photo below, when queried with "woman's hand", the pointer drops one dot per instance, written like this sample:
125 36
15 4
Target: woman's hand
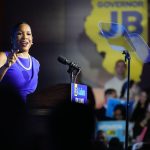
11 59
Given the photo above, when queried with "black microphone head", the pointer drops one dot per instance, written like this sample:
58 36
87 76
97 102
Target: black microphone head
63 60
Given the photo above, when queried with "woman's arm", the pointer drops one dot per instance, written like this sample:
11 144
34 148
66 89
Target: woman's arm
3 67
6 62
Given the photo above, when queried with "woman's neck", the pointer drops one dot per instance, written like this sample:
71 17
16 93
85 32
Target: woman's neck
23 54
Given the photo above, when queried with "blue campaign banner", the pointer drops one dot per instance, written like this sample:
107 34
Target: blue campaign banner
113 102
112 129
79 93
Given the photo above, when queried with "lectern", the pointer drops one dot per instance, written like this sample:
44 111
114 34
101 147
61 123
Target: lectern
52 96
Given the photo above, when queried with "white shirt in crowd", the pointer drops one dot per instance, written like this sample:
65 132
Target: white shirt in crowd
115 83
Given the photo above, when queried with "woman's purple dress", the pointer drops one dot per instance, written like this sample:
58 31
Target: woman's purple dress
23 81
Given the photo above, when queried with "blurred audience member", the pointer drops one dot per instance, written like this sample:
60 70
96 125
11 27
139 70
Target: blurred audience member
142 128
101 142
140 146
133 89
115 144
146 137
119 79
100 136
110 93
140 115
119 112
101 112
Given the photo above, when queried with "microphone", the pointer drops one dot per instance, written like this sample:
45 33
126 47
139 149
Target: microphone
65 61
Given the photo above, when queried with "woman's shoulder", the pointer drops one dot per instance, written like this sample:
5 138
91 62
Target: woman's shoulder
35 60
4 53
36 64
3 58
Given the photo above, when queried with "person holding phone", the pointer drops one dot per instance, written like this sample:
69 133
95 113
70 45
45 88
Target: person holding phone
18 69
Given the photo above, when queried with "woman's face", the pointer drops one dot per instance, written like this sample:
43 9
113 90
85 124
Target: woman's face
143 97
23 38
118 114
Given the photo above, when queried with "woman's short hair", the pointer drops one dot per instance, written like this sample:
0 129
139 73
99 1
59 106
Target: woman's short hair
15 28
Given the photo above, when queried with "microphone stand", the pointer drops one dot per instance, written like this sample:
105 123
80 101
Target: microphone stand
73 72
127 58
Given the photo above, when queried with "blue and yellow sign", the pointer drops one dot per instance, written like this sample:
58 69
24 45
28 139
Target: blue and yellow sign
112 129
132 14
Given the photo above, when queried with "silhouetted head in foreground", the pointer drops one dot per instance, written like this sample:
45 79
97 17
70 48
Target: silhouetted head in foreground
72 126
115 144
